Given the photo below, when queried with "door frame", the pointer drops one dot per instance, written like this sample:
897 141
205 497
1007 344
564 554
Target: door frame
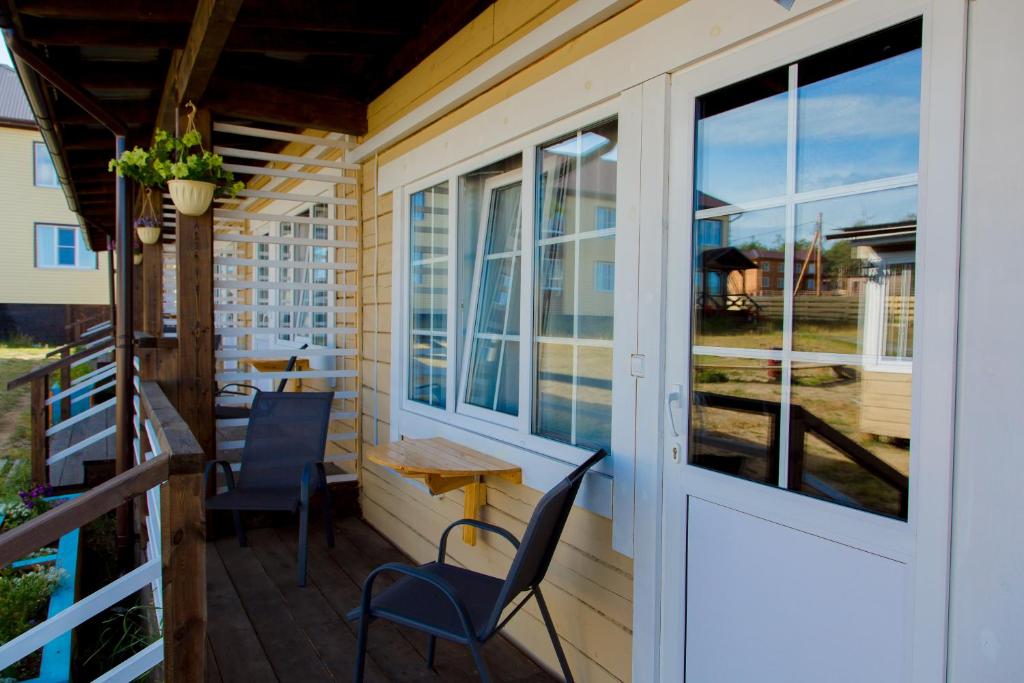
923 542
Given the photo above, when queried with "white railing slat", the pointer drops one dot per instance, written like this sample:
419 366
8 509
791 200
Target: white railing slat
84 415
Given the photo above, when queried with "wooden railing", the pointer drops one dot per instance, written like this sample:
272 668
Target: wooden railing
43 426
171 459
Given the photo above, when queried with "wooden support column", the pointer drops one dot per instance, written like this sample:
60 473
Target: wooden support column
123 353
152 302
195 314
38 451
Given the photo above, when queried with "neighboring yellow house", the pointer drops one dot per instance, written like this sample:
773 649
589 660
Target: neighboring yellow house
48 275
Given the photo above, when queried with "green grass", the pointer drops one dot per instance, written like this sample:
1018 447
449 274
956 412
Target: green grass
15 425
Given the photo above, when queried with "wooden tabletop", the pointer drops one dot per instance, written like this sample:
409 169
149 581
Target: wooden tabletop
278 365
443 465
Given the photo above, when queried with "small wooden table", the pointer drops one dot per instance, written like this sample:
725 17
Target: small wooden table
279 366
445 466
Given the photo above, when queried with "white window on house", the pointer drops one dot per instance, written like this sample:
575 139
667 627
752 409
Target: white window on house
428 297
573 324
781 267
44 174
766 267
766 282
780 283
604 277
62 246
810 269
305 293
835 169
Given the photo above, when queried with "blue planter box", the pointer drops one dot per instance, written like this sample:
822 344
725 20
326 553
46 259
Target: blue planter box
79 402
56 664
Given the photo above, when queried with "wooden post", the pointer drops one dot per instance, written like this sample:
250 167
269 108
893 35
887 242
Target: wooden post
152 302
183 543
195 315
38 450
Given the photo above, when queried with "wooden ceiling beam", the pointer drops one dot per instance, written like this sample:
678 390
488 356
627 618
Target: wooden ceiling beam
192 67
302 109
62 32
286 40
122 10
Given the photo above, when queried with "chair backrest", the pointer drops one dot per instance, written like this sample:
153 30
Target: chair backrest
286 431
288 368
538 544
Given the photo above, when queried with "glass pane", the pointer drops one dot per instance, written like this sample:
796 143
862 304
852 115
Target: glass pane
427 371
504 219
594 397
734 304
428 357
859 110
66 237
429 219
741 141
553 407
596 299
498 312
849 265
494 376
598 169
46 246
556 286
898 311
45 173
556 189
734 417
850 436
86 258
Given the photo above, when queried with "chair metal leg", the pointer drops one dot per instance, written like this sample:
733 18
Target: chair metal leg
554 636
303 541
360 667
431 649
328 517
239 528
478 657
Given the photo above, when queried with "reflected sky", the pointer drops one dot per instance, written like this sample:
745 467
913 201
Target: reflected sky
856 126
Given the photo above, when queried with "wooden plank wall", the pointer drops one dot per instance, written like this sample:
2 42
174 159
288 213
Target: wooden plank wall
589 586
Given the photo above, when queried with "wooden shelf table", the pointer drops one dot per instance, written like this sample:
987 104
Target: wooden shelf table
445 466
279 366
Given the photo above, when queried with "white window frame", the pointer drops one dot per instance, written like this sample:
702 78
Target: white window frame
490 185
79 245
544 461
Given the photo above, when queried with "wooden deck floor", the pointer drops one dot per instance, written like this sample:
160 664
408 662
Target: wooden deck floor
263 627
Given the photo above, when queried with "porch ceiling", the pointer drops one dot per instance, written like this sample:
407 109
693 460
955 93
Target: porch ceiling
287 65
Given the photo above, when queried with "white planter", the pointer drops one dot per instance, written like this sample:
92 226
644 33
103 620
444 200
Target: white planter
148 234
191 197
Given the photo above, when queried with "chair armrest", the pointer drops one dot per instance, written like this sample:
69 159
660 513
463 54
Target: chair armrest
416 574
504 533
229 476
224 389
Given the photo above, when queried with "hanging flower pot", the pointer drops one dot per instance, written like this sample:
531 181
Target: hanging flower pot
191 197
192 175
147 225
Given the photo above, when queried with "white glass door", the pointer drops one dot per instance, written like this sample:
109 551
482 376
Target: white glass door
788 537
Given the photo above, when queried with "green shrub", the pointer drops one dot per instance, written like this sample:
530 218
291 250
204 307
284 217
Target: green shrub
23 598
711 377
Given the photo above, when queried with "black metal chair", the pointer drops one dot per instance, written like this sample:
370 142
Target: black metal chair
464 606
284 449
242 389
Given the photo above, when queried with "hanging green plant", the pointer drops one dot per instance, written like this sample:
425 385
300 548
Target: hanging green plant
192 174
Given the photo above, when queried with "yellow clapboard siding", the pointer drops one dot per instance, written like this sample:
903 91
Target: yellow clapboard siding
24 205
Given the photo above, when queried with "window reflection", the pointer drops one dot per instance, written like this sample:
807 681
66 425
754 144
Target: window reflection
849 436
817 277
575 285
428 350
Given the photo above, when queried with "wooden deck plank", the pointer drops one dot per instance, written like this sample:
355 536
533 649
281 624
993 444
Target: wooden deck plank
334 642
286 645
239 653
397 659
263 627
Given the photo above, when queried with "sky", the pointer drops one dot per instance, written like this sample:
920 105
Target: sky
4 57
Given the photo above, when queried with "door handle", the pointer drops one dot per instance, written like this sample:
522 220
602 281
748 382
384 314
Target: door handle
675 397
